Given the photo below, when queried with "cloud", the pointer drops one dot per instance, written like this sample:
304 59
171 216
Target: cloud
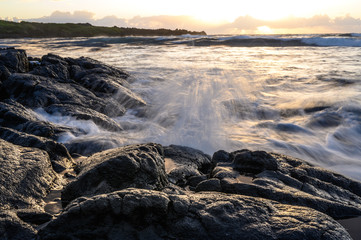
315 24
162 21
110 21
165 21
242 25
80 17
66 17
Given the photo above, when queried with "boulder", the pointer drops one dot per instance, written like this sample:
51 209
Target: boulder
14 115
40 92
102 80
186 162
213 184
26 176
140 166
59 155
15 60
88 64
288 180
253 162
148 214
52 66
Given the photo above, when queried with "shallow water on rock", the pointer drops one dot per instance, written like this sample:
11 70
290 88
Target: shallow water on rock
352 226
302 101
53 202
169 164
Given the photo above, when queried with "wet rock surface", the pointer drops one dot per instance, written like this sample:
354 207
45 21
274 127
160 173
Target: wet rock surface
147 214
142 191
186 163
14 115
288 180
26 176
13 60
140 166
59 155
88 145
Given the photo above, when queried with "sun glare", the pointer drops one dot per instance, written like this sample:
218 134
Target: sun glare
264 30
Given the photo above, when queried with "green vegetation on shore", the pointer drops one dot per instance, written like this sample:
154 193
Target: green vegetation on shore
37 30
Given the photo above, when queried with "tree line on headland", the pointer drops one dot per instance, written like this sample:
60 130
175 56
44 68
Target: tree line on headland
39 30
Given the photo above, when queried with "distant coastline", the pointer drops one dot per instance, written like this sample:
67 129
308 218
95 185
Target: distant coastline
48 30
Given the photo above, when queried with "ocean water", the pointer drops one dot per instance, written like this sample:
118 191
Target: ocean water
294 94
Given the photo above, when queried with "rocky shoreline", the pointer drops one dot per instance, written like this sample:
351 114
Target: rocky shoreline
85 190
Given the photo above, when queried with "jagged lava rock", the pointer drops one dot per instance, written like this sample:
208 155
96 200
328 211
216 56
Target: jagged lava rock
16 116
82 88
59 155
288 180
148 214
14 60
39 92
187 162
103 80
140 166
26 176
82 113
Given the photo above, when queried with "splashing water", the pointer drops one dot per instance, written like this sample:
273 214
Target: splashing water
301 101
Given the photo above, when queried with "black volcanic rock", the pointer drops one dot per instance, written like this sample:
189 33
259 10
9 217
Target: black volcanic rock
148 214
289 180
59 155
18 117
253 162
210 185
13 228
13 114
26 176
78 87
83 113
188 162
140 166
83 88
4 73
39 92
32 216
14 60
89 145
102 80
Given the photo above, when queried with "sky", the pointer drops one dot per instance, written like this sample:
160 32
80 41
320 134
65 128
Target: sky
226 16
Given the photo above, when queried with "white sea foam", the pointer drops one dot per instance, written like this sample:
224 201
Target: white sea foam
234 37
329 41
86 126
236 97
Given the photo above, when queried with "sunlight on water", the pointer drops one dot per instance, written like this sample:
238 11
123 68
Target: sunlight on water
301 101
